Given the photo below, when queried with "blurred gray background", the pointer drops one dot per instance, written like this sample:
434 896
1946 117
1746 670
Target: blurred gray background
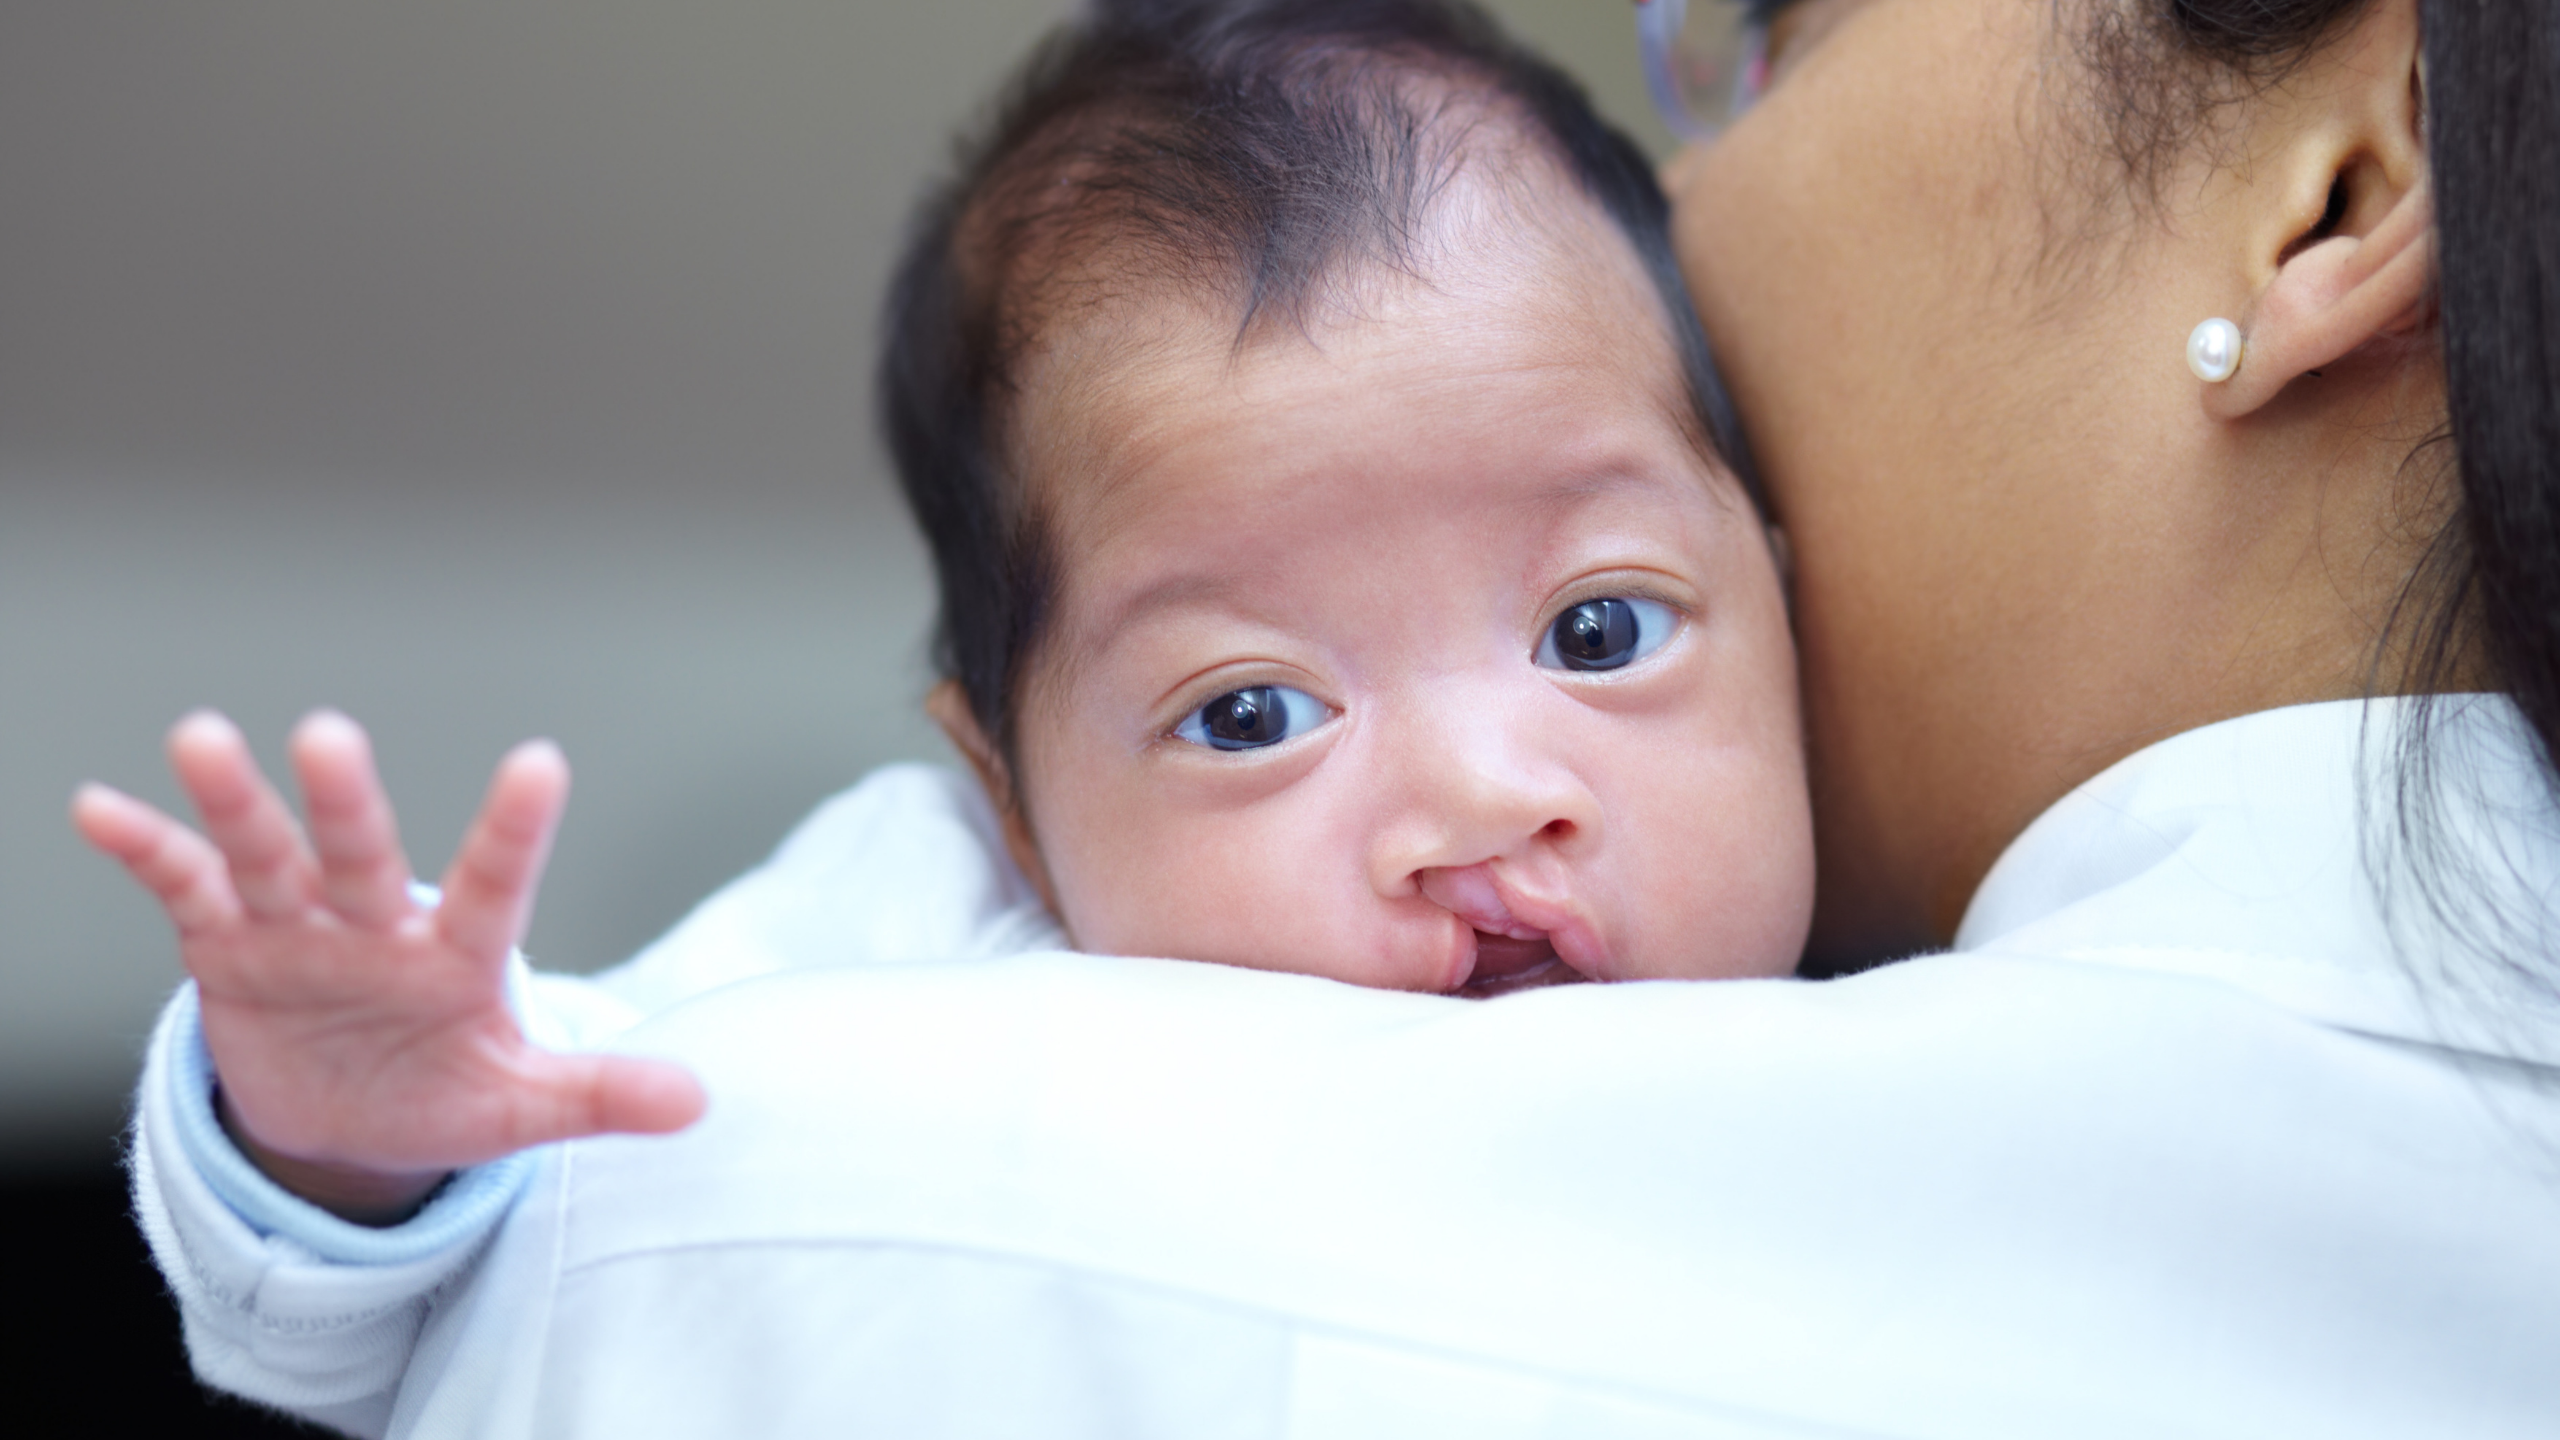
486 371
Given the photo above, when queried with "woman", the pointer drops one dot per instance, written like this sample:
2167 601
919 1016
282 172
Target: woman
2030 541
2231 1113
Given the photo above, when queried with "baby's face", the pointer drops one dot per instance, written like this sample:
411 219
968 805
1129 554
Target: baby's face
1422 651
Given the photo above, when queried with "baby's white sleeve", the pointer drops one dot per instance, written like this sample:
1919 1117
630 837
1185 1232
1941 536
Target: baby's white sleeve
288 1305
281 1301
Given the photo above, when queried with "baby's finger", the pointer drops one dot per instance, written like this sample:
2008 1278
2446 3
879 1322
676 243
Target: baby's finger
363 874
488 893
178 866
271 871
579 1095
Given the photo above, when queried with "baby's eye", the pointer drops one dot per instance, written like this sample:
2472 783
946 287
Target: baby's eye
1605 634
1252 718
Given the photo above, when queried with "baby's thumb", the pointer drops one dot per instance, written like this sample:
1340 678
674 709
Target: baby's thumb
647 1097
622 1094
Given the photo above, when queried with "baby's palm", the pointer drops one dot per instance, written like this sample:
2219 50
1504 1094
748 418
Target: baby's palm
364 1044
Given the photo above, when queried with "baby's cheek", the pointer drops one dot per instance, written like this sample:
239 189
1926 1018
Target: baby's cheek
1716 861
1264 896
1176 890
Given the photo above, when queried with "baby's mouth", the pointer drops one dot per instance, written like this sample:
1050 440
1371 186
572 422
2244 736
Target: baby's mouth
1515 934
1506 963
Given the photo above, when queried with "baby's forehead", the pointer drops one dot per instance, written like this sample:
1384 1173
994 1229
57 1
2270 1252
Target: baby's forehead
1507 271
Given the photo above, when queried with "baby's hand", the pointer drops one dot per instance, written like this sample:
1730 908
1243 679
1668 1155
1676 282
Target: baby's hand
364 1044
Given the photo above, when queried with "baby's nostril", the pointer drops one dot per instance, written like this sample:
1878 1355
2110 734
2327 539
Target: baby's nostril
1556 830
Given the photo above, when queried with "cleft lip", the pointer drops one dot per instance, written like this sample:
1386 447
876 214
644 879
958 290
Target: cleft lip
1517 932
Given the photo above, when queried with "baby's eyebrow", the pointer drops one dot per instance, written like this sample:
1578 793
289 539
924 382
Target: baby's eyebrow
1580 486
1713 480
1190 587
1570 490
1184 588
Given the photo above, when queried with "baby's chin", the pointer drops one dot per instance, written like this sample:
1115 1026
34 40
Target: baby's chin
1506 966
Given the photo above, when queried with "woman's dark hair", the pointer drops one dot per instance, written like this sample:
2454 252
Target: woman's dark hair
1251 152
2488 592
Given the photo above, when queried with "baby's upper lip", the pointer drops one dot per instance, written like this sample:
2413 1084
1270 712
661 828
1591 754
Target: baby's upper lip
1501 904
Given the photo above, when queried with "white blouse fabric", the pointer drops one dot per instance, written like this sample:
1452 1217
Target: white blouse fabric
2170 1145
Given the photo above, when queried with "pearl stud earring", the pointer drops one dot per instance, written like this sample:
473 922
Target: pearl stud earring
2213 351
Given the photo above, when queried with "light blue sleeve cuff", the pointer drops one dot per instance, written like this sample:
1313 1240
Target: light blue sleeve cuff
467 1207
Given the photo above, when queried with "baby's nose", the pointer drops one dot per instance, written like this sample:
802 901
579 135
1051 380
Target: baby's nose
1469 892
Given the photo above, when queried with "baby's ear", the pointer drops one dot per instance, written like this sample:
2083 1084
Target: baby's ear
948 704
949 707
1783 552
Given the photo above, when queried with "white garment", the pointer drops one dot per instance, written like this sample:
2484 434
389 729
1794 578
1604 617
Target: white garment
2168 1148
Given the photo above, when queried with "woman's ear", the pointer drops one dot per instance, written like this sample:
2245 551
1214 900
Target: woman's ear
2330 299
949 707
2361 267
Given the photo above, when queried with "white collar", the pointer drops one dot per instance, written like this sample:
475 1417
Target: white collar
2263 852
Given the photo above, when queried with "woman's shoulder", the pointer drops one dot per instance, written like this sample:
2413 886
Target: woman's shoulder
2277 852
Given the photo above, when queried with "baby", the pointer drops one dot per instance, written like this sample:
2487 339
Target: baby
1338 570
1342 571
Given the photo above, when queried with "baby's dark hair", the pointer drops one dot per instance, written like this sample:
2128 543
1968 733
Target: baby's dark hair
1249 152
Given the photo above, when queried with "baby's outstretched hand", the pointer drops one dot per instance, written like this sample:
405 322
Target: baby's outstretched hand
364 1044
